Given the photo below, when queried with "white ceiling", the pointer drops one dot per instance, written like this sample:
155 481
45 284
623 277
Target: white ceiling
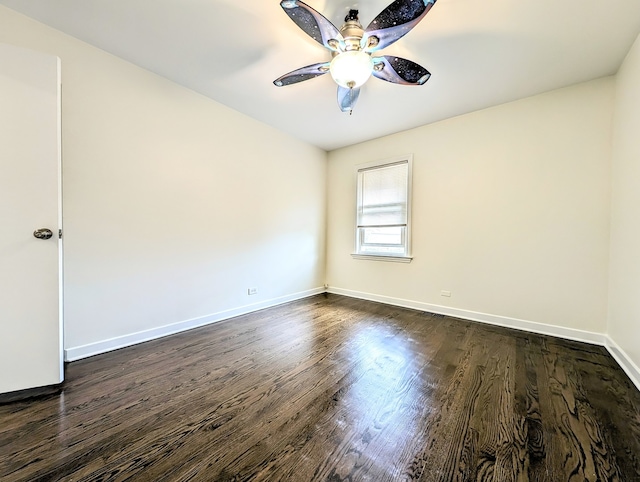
480 53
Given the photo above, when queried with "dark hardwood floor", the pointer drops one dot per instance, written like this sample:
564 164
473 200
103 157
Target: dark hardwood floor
333 389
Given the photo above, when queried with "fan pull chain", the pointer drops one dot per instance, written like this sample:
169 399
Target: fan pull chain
351 99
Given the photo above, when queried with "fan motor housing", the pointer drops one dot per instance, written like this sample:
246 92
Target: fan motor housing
352 32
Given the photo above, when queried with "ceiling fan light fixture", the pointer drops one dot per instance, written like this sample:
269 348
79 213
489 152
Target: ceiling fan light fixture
351 69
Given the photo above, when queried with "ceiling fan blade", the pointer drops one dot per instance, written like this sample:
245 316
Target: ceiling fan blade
304 73
347 98
394 22
313 23
399 70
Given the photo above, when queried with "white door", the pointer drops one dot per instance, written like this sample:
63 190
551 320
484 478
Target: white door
30 268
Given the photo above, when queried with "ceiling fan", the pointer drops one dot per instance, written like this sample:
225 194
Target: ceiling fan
351 47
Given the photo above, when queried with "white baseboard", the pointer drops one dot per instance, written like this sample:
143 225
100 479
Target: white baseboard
625 362
524 325
84 351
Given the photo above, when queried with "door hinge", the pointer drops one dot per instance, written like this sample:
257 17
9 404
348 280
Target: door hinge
59 233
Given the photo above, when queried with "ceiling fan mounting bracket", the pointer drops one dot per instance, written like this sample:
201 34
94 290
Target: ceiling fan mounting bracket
351 16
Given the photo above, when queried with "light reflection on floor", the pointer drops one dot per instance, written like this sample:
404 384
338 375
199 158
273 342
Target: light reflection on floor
388 393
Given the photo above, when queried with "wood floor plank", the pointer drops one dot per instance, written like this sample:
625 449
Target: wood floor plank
450 428
528 407
584 455
331 388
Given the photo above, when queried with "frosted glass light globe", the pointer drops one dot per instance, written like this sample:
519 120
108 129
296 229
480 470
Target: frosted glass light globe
351 69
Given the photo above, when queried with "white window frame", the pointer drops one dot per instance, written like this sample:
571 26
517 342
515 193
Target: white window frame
358 232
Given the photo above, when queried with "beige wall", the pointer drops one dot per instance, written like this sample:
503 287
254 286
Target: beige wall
624 285
173 204
510 211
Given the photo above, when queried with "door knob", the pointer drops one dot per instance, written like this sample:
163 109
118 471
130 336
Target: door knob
43 233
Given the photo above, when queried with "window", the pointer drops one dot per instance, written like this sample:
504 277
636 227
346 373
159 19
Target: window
383 214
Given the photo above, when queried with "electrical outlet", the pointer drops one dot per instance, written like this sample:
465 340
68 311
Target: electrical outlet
446 293
252 291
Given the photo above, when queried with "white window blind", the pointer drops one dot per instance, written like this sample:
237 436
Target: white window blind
383 192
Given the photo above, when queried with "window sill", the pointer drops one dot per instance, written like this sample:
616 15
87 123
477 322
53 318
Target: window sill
378 257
